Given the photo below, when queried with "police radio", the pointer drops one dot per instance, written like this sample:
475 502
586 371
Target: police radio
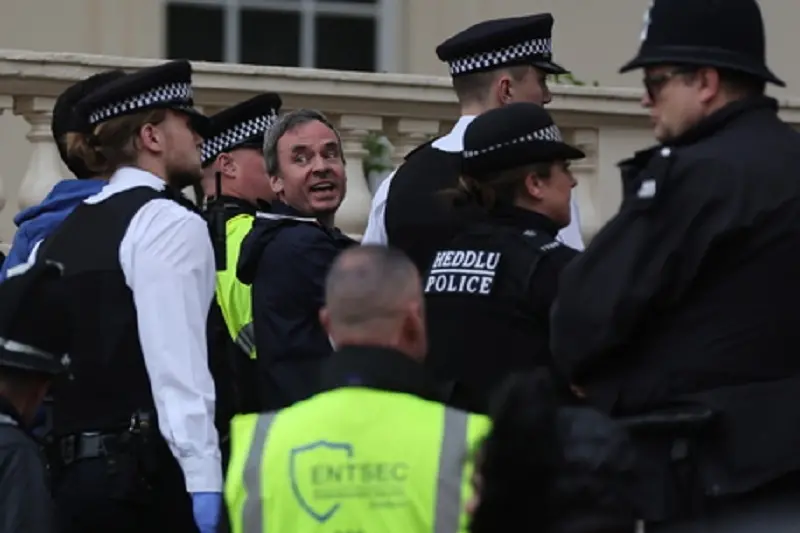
217 221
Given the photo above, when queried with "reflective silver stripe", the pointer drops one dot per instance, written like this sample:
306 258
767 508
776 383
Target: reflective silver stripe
27 349
246 339
451 472
7 420
272 216
253 510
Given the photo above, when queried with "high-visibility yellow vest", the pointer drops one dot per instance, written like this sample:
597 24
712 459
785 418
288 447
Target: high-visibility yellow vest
233 296
353 459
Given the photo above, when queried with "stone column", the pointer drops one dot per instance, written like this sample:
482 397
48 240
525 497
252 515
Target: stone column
354 211
6 102
44 169
405 134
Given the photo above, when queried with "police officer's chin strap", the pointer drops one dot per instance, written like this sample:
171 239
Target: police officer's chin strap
216 211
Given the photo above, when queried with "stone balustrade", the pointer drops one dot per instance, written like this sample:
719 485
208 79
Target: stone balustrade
607 123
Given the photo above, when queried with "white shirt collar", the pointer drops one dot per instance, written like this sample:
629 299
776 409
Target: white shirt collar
454 141
129 177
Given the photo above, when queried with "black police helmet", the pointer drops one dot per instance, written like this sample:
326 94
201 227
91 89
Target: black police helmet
726 34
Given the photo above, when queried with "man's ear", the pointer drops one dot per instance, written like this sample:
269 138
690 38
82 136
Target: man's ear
227 165
276 182
325 319
151 138
503 89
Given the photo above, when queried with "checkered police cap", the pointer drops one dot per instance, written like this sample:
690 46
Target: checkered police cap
501 43
512 136
242 125
166 86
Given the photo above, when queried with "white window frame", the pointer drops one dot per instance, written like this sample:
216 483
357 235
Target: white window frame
385 13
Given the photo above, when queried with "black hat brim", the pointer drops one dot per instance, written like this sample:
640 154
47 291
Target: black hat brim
200 123
701 57
549 67
30 362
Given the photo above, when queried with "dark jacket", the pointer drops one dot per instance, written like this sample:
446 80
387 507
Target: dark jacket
488 295
688 296
286 260
25 501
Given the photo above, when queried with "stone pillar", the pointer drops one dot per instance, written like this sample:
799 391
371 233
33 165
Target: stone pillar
6 102
354 211
405 134
44 170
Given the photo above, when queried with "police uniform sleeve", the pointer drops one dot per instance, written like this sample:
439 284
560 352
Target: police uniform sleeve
25 502
376 225
643 259
168 262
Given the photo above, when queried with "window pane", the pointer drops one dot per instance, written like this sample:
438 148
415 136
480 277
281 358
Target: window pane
345 43
270 37
194 32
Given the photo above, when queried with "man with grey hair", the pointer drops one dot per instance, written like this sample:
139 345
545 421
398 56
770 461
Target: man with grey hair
288 252
371 429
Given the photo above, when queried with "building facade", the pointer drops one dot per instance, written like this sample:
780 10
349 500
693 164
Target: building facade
592 38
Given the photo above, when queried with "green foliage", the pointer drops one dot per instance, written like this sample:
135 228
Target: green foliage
570 79
379 154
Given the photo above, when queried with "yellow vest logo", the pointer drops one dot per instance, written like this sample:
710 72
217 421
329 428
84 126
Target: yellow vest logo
326 475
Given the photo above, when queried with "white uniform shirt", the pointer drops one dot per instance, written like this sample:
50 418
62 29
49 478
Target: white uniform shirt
452 142
168 263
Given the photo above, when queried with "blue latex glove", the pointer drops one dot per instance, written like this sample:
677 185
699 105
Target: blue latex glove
206 507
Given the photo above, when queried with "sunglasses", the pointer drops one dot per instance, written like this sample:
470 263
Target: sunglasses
653 83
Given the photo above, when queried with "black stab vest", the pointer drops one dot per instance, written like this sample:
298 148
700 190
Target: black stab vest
106 381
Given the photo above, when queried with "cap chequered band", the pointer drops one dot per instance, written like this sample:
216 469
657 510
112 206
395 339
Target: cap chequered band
550 133
172 93
236 135
484 60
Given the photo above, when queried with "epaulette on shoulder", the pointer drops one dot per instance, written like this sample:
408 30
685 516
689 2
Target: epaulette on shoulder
420 147
542 241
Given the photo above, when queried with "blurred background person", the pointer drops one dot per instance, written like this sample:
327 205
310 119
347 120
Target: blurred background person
34 336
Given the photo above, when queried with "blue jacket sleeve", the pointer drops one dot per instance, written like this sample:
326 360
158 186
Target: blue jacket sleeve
18 254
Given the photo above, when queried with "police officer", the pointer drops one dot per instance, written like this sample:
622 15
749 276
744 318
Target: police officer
493 63
33 338
369 452
134 420
687 297
236 185
489 290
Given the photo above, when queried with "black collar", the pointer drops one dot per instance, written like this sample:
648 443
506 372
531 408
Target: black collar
282 208
7 408
520 218
379 368
722 117
705 128
239 205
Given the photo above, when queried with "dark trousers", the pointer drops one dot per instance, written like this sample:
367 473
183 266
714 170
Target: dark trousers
769 512
104 495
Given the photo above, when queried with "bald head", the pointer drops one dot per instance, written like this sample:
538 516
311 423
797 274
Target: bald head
373 295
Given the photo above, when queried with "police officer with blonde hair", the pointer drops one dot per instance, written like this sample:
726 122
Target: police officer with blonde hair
134 420
371 452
